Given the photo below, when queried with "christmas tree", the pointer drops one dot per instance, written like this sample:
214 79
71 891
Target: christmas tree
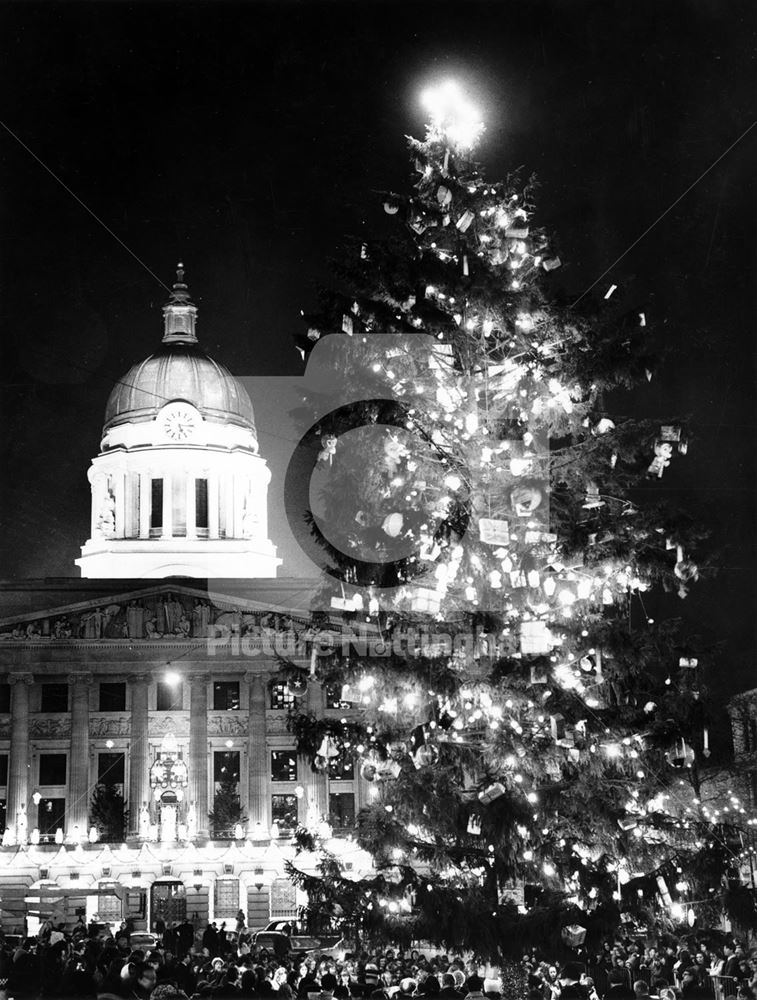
108 813
532 737
227 809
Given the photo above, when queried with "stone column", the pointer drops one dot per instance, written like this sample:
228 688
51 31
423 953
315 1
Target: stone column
139 765
258 778
167 507
315 782
198 751
232 523
77 813
119 495
213 505
191 506
18 765
145 503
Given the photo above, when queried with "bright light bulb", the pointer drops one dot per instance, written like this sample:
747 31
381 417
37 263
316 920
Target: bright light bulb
452 114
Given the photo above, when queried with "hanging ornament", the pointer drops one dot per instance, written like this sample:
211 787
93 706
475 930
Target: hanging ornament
592 663
552 264
466 270
328 450
297 686
663 452
557 726
419 223
392 524
347 325
573 935
493 532
535 638
662 888
327 748
517 233
525 498
394 452
425 601
491 793
685 570
682 755
313 333
369 769
604 426
474 825
539 673
443 195
391 205
593 499
463 223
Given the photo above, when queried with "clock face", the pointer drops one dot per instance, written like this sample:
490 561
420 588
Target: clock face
179 424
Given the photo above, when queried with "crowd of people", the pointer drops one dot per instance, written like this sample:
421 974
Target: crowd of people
221 963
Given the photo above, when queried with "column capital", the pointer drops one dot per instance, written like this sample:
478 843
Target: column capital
80 677
198 680
20 679
257 677
137 678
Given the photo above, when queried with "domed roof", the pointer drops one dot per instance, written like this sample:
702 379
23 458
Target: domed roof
179 370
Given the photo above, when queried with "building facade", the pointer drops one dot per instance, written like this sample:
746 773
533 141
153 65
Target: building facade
167 722
145 686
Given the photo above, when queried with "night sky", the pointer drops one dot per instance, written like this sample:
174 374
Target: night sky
249 139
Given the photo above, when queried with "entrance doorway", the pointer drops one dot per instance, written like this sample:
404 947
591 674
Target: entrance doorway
168 902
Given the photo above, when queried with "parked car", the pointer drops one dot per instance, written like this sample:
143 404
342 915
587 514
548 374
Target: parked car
279 937
142 940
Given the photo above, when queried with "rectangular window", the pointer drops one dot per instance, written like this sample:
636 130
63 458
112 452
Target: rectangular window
3 814
169 697
109 907
226 765
5 697
283 899
226 696
156 504
284 811
283 765
51 814
54 698
341 810
201 503
281 697
112 697
52 769
111 768
341 768
226 898
3 770
334 697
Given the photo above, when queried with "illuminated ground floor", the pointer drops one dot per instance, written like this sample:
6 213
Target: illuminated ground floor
151 881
